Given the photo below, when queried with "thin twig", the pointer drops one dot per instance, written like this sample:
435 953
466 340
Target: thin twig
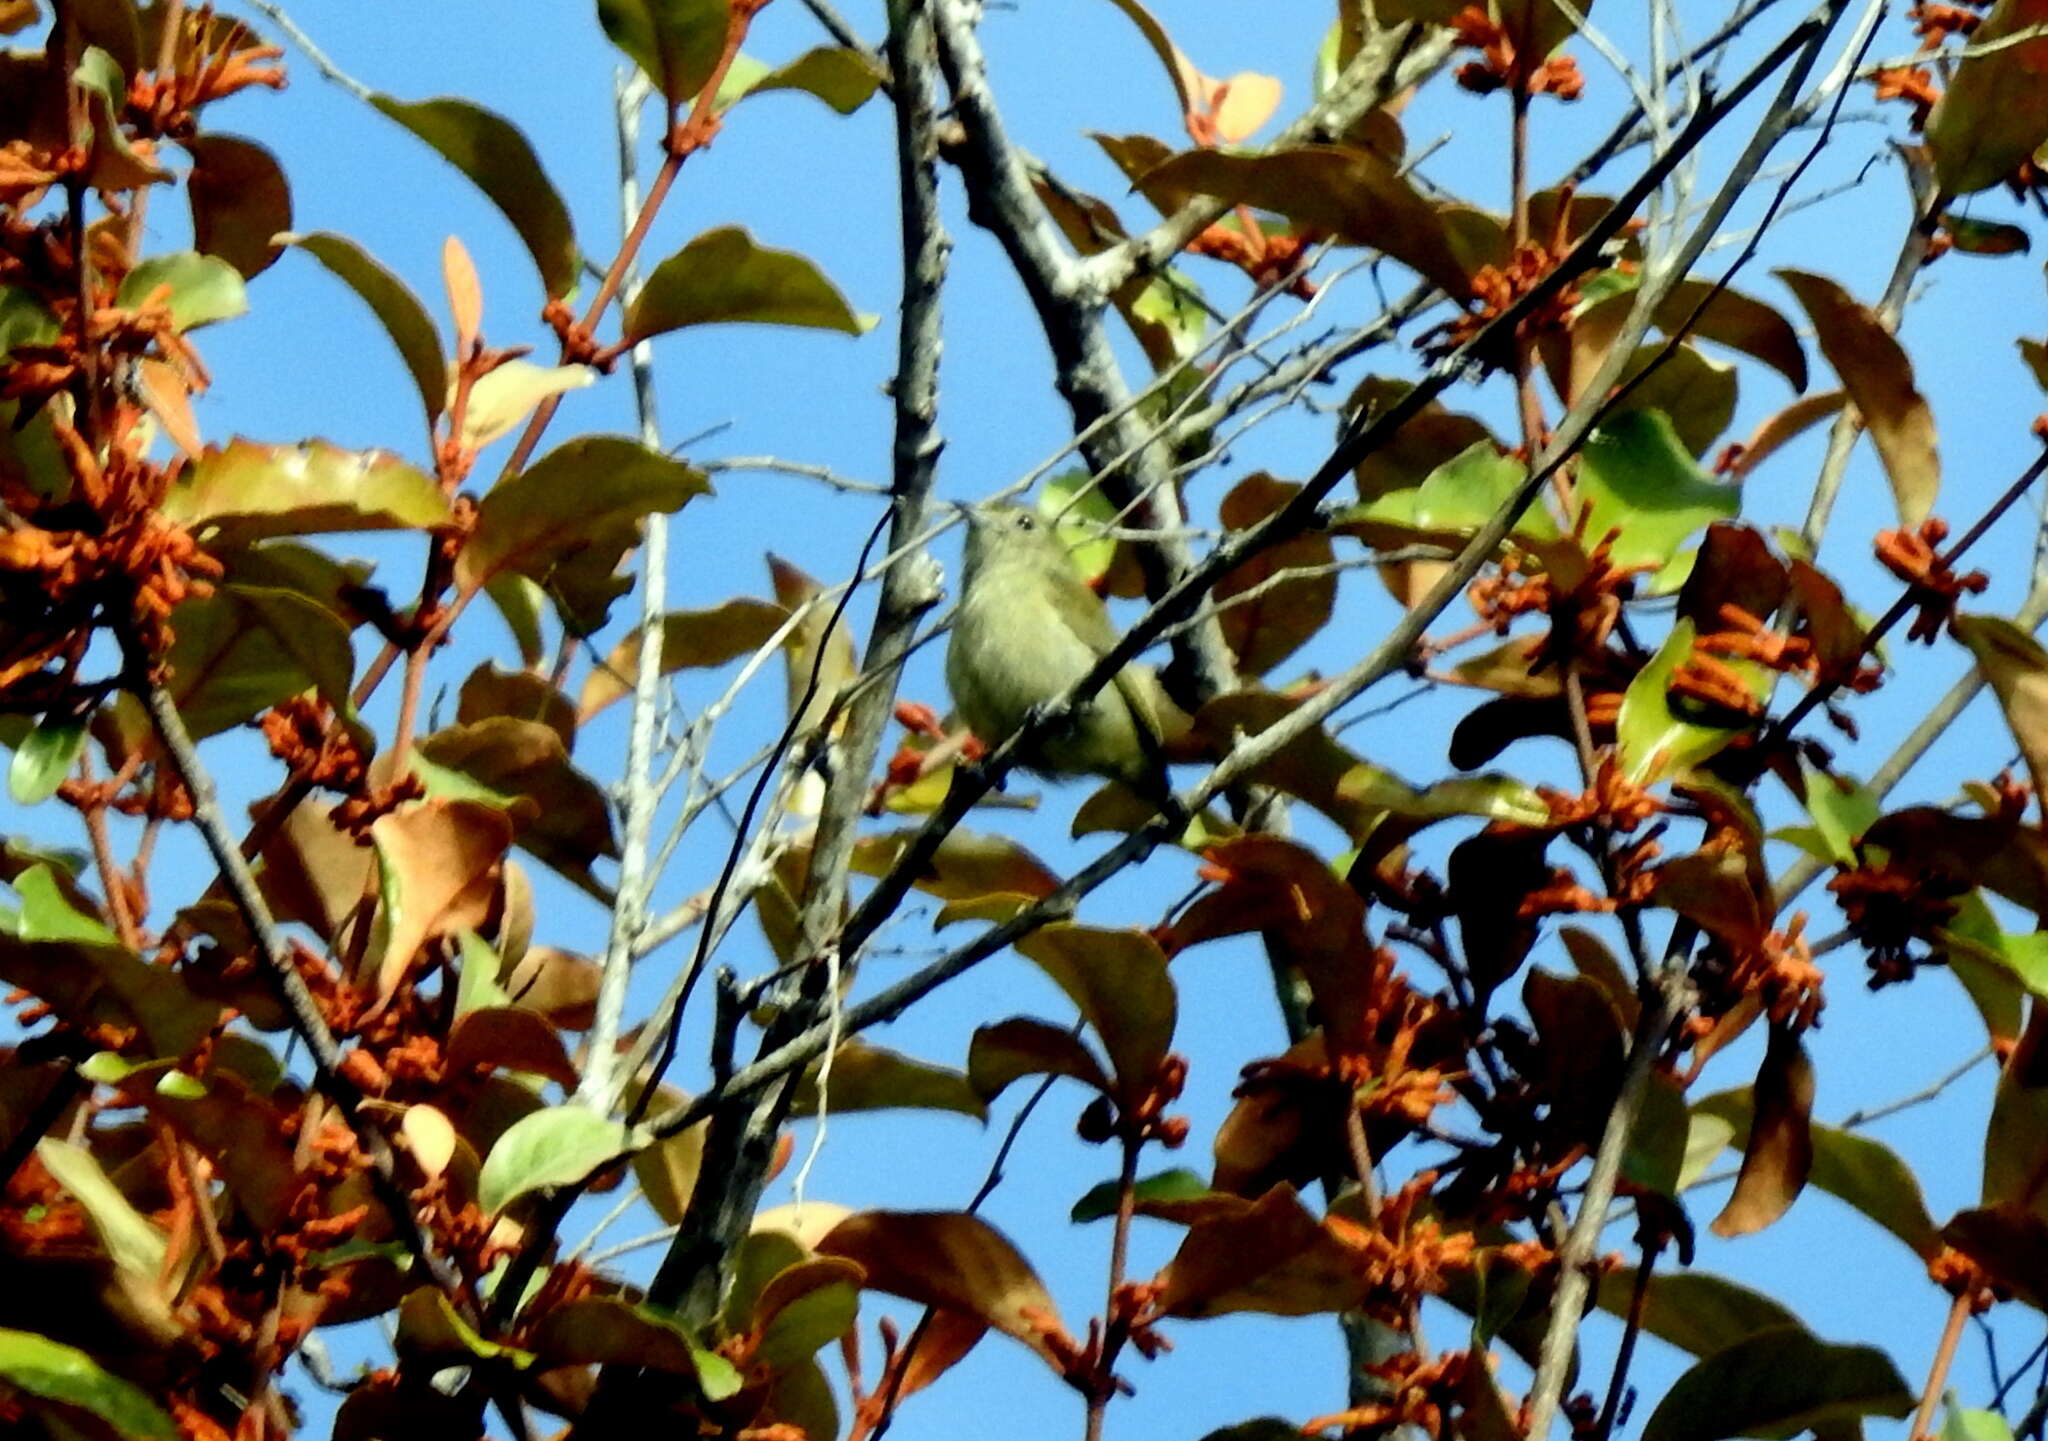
274 954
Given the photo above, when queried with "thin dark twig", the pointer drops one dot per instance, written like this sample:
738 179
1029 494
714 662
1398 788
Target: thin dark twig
769 770
65 1088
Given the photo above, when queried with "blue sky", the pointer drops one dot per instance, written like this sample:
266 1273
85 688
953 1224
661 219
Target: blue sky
309 361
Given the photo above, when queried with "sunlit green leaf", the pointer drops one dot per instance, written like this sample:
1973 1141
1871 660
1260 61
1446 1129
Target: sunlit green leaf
200 289
551 1147
56 1372
844 79
397 309
1637 478
493 153
249 492
723 277
44 758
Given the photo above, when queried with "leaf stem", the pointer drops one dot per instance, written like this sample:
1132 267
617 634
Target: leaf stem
1937 1374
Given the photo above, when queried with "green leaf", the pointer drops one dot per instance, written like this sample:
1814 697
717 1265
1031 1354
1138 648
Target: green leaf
1984 237
1656 1148
1775 1384
243 649
1994 114
1168 1186
519 601
1651 738
552 1147
57 1372
871 1078
597 1330
397 309
844 79
568 519
1960 1424
48 916
44 758
1696 1311
115 164
24 319
1637 477
240 200
497 156
2017 666
203 288
676 42
1695 393
723 277
477 985
132 1241
1463 493
250 492
501 400
803 1308
1840 816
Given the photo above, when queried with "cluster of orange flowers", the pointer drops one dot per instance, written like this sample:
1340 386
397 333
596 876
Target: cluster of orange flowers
1501 63
1913 556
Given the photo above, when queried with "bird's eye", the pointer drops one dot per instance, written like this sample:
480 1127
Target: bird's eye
1027 522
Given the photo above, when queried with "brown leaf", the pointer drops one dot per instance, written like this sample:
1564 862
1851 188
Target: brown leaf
1271 1257
2011 860
313 873
1779 1156
1117 980
1354 195
1490 874
1783 427
1734 567
561 986
2017 667
519 694
440 863
2011 1243
1286 1128
1007 1051
690 639
1714 890
811 653
1311 920
510 1038
1879 378
1583 1049
955 1261
941 1346
1266 619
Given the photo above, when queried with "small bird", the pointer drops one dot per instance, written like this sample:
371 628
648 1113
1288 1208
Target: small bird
1027 629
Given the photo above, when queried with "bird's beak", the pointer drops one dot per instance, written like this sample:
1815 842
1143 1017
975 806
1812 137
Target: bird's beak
966 513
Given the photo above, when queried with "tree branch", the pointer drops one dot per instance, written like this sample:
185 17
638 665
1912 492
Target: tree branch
742 1134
